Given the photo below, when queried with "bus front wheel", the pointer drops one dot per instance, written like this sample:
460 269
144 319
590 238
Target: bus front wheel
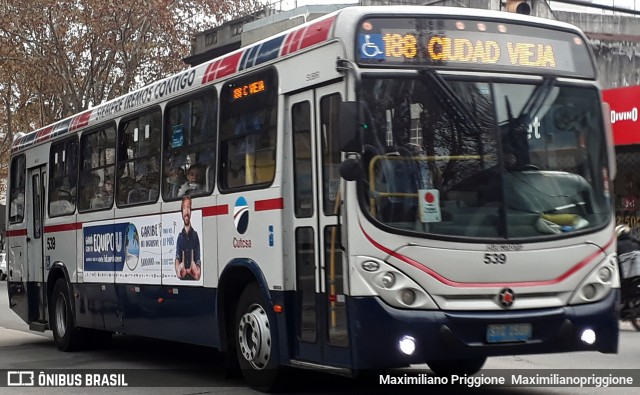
457 366
65 334
256 345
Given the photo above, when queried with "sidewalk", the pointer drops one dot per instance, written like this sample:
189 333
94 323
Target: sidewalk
12 337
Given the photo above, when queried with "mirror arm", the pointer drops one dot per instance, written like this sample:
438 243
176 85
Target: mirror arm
348 66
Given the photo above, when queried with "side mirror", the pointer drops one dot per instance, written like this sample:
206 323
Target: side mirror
611 152
349 120
351 169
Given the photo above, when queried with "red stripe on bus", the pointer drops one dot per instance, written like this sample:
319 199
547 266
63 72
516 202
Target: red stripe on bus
459 284
210 74
228 65
215 210
205 76
17 232
269 204
294 42
317 33
62 227
287 43
298 39
43 134
80 121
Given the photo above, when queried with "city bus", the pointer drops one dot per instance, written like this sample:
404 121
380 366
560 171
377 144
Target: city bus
378 187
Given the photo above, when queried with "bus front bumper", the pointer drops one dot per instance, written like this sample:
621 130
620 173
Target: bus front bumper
449 335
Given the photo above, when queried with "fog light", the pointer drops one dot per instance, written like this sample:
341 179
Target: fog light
407 345
604 274
589 291
388 280
588 336
408 296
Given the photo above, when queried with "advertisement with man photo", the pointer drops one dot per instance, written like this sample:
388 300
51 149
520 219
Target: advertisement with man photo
182 246
154 249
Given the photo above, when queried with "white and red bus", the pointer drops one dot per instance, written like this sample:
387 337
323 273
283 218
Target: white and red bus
379 187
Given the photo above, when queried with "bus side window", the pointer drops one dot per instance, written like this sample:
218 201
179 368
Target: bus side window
331 154
303 177
190 147
248 115
138 170
97 172
63 163
16 194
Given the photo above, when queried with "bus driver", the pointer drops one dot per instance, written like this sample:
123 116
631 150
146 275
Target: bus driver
188 265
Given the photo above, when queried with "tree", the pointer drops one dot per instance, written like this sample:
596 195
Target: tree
59 57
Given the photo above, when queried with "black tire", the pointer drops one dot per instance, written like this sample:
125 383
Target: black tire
458 366
66 336
636 323
255 343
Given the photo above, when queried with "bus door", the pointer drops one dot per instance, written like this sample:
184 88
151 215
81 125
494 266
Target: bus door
320 311
35 197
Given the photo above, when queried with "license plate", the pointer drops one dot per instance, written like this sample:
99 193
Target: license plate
509 333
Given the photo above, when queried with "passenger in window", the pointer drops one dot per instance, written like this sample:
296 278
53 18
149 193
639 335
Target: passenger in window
17 205
126 184
175 179
194 182
91 184
104 196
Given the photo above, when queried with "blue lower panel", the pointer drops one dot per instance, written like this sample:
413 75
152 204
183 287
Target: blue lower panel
457 335
184 314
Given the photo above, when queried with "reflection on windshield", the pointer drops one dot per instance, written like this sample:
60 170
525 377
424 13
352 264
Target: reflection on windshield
482 159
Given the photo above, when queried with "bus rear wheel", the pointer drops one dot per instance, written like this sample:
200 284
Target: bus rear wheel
256 345
66 336
457 366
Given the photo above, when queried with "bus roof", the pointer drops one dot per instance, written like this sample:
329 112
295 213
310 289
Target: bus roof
281 45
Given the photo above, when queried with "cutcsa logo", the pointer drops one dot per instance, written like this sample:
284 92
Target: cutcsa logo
241 215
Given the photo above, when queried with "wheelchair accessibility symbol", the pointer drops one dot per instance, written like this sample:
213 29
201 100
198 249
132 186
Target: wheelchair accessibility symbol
371 46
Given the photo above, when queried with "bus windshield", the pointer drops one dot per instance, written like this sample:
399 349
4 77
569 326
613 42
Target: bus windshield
484 159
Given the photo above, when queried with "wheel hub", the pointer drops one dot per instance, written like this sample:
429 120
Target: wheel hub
61 316
255 337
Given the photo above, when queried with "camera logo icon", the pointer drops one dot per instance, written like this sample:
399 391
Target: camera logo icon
17 378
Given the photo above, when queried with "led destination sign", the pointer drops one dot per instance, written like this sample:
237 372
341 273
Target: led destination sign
249 89
448 49
469 44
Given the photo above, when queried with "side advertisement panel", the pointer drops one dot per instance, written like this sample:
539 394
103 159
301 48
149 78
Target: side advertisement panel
145 250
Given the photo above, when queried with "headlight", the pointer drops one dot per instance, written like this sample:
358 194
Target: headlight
605 274
392 285
598 283
408 296
388 280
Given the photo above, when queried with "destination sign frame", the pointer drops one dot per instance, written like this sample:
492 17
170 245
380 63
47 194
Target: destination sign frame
472 44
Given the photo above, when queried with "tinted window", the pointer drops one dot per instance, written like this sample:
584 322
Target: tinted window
63 164
248 113
190 148
98 157
138 174
16 194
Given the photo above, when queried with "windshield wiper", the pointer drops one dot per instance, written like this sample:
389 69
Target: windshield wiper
536 100
451 100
